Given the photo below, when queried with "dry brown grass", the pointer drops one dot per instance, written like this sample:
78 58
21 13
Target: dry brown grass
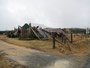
80 47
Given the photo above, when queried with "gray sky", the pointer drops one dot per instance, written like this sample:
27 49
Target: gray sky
51 13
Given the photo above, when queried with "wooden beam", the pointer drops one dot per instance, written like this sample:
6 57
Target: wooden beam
58 41
35 33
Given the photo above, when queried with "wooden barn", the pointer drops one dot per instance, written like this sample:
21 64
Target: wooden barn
29 32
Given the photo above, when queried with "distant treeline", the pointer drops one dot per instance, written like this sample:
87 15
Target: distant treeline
77 30
3 32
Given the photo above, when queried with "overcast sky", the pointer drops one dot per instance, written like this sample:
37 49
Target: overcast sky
51 13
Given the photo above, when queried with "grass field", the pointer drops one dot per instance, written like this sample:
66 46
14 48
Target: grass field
80 47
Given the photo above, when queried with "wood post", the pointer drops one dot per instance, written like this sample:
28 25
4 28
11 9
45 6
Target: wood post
53 35
71 37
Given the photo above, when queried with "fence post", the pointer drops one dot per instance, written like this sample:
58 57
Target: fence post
53 34
71 37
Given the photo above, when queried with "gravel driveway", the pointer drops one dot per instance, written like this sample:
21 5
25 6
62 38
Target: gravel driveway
35 59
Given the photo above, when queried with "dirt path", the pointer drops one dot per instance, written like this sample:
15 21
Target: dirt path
36 59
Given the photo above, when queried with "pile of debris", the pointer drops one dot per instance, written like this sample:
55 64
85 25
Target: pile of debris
31 32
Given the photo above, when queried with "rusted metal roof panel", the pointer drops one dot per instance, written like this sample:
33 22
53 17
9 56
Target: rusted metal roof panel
55 30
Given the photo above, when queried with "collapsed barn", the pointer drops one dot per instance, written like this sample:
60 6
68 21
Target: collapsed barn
29 32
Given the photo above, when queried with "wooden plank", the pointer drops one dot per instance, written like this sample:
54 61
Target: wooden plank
35 33
58 41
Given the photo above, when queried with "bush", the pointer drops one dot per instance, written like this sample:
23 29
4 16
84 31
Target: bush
11 35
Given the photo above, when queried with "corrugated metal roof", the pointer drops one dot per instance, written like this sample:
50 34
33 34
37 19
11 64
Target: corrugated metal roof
42 32
55 30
